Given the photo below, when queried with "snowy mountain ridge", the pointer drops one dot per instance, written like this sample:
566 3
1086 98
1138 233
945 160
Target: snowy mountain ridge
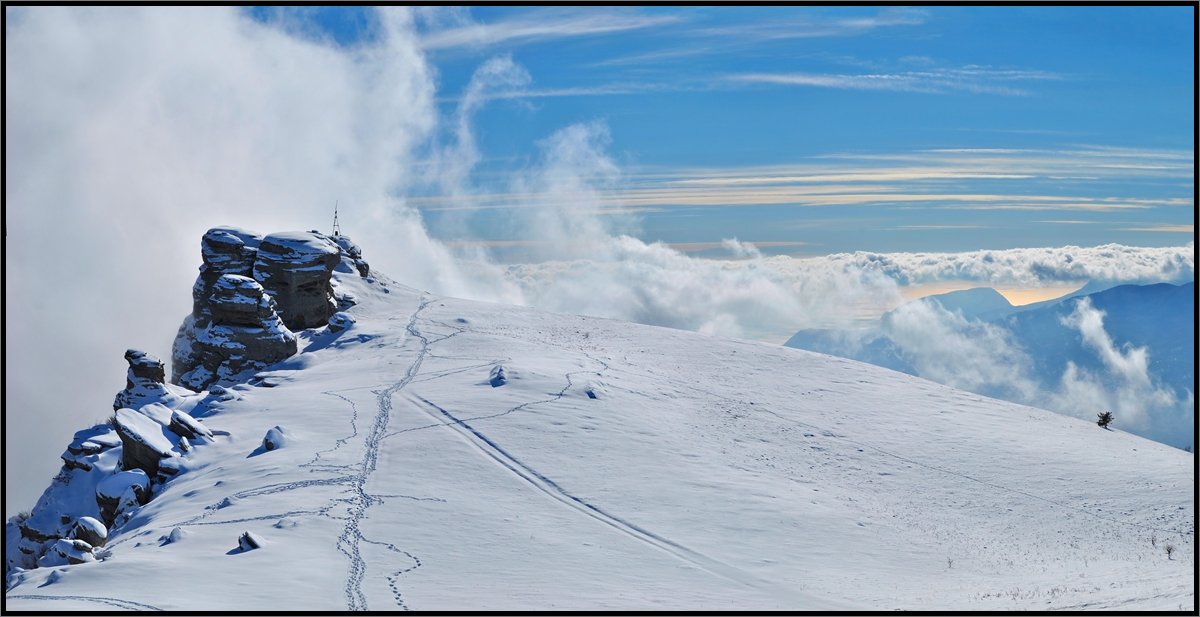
421 452
1138 355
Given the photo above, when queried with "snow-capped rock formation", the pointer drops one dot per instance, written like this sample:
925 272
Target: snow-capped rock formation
239 334
251 295
223 250
245 335
619 467
233 329
90 530
145 383
120 494
112 469
296 268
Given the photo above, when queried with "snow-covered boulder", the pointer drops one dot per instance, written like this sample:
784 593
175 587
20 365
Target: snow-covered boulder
90 530
121 493
187 427
340 322
239 301
177 534
296 268
498 376
144 442
274 439
249 541
67 552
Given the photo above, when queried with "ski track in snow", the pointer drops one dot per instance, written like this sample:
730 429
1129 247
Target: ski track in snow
535 478
125 605
351 538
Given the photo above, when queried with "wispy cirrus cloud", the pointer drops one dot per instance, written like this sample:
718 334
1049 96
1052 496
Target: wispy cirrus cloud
966 178
1184 229
536 25
609 89
938 227
698 41
971 79
816 26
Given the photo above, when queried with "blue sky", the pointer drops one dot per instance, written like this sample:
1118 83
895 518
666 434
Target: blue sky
812 130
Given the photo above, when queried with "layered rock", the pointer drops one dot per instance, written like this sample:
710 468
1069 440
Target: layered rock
145 382
251 294
238 334
144 442
224 250
296 268
85 448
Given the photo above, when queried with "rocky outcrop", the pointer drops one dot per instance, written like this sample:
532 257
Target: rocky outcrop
233 328
144 442
187 427
86 446
145 382
224 250
251 294
238 334
296 268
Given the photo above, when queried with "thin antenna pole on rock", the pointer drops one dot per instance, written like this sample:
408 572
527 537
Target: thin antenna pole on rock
337 230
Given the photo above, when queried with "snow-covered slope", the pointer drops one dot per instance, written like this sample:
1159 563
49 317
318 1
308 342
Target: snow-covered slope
629 467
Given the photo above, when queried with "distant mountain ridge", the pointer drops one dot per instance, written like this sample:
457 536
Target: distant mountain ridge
1158 317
